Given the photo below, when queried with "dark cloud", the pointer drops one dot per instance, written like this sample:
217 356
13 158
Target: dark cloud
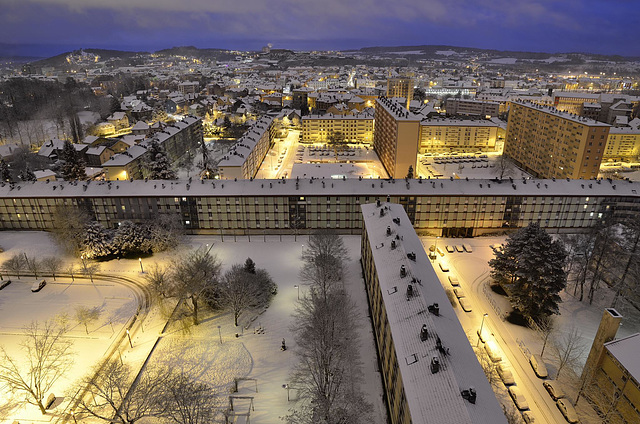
606 26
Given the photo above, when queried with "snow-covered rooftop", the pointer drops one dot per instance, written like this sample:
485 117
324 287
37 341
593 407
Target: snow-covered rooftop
245 144
626 352
562 114
315 187
432 397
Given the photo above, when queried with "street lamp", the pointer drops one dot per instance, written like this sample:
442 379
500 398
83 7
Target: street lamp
297 287
73 415
220 334
302 250
481 325
129 337
141 268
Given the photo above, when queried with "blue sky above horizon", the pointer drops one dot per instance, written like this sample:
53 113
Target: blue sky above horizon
49 27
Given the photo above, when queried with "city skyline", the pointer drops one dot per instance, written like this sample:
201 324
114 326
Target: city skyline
49 27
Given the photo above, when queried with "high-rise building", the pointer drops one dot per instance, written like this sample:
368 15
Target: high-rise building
550 143
396 137
400 87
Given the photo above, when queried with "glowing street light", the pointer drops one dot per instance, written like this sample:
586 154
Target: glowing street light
141 268
297 287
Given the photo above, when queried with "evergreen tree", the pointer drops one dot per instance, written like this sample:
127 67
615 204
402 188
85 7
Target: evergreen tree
157 165
207 168
410 173
130 238
5 173
250 266
73 167
96 242
533 264
28 175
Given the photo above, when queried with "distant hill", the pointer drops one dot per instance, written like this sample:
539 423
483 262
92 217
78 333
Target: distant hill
104 54
436 51
195 52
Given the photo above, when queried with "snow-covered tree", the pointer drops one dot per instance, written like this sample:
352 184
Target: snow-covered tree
241 290
533 264
73 165
189 401
157 166
52 265
97 241
165 232
130 238
27 175
207 167
15 265
194 276
86 315
410 173
5 173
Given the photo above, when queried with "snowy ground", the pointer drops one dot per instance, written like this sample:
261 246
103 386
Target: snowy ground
466 166
210 350
517 343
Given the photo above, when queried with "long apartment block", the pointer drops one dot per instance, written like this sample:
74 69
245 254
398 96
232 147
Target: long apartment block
438 207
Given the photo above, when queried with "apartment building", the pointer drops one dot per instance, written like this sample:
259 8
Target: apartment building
356 128
572 101
246 156
396 136
438 135
436 207
623 143
430 371
549 143
400 87
472 107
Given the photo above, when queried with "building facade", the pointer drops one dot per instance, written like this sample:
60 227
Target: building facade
400 87
356 128
246 156
396 137
439 135
623 144
472 107
437 207
552 144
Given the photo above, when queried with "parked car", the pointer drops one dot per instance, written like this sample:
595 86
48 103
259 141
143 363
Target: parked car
38 285
554 389
567 410
432 248
453 280
444 267
449 249
492 350
465 304
459 248
504 371
458 292
467 248
527 416
518 398
538 366
4 284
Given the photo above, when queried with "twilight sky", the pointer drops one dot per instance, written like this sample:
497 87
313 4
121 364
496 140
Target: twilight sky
598 26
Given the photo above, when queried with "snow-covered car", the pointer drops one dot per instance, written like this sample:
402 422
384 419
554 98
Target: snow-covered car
567 410
444 267
465 304
504 371
4 284
459 292
459 248
492 350
38 285
527 416
453 280
467 248
450 249
518 398
538 365
554 389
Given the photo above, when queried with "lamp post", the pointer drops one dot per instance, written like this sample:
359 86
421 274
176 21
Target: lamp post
141 268
302 250
481 325
220 334
297 287
129 337
73 415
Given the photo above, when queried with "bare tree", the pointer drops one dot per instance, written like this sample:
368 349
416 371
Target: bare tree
240 289
545 328
90 269
489 367
69 227
47 355
33 264
323 261
158 277
86 316
325 243
189 401
115 395
194 275
52 265
15 265
568 349
504 167
72 271
511 414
